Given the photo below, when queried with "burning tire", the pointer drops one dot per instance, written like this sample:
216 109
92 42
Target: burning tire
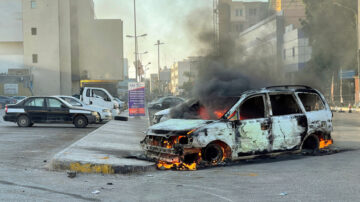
213 153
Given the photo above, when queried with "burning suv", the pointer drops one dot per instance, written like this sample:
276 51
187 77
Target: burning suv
265 122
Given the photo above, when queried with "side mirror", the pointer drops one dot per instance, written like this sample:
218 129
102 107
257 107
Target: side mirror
90 102
63 106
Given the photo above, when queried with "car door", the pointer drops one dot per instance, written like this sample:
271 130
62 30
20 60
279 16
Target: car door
101 98
57 111
253 126
289 123
36 110
318 117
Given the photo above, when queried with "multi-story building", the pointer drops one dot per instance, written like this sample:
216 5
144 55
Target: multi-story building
296 51
236 16
64 45
181 72
11 38
293 10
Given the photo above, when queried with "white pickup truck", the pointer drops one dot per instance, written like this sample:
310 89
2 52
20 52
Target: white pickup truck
100 97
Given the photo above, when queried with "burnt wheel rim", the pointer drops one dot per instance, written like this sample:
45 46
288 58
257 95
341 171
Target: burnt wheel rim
213 154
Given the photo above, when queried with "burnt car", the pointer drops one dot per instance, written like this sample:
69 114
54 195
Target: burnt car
165 102
264 122
48 110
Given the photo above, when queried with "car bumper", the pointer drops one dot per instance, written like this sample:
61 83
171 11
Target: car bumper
92 119
115 112
9 118
106 116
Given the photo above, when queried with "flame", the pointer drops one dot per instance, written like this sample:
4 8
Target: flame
324 143
206 115
176 165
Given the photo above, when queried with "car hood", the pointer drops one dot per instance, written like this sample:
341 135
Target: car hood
163 112
179 124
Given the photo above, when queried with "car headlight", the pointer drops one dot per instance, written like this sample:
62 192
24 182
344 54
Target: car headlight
94 113
106 110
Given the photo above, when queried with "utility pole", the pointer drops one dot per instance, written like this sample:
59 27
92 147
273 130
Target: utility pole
136 45
158 44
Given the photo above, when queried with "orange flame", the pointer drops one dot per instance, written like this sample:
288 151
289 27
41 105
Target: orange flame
176 165
206 115
324 143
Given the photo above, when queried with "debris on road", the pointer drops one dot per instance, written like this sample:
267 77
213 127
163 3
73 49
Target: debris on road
283 194
71 174
109 183
95 192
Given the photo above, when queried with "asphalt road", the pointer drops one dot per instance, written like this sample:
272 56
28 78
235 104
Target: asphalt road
335 177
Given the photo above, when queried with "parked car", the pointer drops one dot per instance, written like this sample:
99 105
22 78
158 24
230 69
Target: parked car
264 122
121 103
165 102
4 100
104 113
18 98
100 97
48 110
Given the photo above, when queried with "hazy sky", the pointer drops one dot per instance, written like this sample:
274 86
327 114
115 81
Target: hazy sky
163 20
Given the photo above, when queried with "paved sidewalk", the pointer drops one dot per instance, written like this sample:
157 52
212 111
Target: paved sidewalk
109 149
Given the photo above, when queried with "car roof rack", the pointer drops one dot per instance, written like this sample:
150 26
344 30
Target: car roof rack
290 86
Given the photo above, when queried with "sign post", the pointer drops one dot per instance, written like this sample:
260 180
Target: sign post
136 98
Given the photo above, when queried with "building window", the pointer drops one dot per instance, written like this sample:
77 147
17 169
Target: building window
284 54
238 12
252 11
35 58
293 51
33 31
33 3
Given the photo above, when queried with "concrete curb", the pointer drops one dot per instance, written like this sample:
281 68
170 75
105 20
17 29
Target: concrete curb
344 109
92 154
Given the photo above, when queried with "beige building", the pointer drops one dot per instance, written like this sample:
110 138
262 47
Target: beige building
182 72
11 38
64 43
293 10
236 16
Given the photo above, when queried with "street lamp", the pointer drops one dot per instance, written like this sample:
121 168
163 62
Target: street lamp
146 69
355 12
158 43
136 42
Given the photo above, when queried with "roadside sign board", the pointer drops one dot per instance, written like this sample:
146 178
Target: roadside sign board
136 98
11 89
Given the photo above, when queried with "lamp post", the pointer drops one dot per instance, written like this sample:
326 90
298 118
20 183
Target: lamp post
158 43
146 69
136 42
355 12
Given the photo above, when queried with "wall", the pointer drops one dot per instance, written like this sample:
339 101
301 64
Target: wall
296 50
11 55
46 72
97 45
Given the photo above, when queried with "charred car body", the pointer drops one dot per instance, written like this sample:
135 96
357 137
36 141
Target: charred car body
269 121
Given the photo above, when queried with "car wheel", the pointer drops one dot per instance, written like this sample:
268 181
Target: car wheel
310 145
23 121
213 153
80 122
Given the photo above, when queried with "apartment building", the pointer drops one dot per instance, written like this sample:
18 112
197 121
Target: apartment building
236 16
64 43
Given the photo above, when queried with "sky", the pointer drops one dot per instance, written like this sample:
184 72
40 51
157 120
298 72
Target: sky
164 20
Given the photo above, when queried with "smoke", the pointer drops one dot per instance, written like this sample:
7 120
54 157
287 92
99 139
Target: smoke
224 70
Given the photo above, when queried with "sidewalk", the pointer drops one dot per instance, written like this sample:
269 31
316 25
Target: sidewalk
109 149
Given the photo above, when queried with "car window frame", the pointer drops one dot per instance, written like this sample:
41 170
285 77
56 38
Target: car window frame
302 105
288 93
266 107
32 99
48 102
